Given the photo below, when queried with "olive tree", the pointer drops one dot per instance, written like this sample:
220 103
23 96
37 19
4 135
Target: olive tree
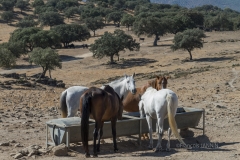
71 32
47 58
188 40
51 18
151 25
22 5
7 16
111 44
94 23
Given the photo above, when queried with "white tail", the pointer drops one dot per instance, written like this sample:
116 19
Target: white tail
171 119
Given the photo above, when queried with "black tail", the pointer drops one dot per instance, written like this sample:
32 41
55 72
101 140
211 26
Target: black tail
86 109
63 104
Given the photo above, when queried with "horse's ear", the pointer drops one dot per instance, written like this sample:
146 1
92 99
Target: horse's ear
168 77
133 74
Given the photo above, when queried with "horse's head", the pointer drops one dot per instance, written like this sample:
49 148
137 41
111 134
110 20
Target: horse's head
131 83
161 82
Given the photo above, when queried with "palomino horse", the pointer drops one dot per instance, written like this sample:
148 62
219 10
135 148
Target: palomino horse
130 103
69 100
101 105
158 105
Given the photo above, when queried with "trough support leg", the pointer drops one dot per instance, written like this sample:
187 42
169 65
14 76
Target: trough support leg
203 121
140 133
67 137
46 136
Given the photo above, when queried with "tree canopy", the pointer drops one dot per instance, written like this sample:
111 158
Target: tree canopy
111 44
50 19
94 23
7 16
27 21
151 25
127 20
22 5
71 32
24 35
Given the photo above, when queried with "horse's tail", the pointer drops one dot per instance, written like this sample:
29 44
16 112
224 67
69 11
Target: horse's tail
86 109
141 108
63 104
120 109
171 119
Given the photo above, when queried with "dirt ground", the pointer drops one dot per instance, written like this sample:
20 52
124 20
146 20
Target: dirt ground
210 81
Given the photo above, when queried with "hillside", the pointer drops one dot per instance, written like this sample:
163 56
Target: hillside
233 4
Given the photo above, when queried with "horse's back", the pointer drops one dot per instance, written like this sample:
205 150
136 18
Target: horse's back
161 99
76 89
73 95
114 103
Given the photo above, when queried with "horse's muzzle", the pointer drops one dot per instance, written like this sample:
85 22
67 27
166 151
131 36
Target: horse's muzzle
134 91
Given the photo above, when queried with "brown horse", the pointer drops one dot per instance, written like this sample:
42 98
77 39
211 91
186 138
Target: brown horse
100 105
130 103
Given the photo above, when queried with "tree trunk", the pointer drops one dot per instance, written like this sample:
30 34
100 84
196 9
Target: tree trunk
43 73
128 27
155 40
190 54
94 33
111 59
50 74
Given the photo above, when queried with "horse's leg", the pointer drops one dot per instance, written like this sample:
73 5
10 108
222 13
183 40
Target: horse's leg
100 133
114 133
169 134
149 121
95 135
160 133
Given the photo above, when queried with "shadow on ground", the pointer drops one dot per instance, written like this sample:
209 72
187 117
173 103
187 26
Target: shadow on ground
213 59
131 147
133 62
66 58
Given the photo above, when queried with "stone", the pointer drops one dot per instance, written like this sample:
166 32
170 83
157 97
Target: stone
43 151
18 145
18 155
60 150
4 144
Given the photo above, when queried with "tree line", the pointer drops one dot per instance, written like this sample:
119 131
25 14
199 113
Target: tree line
140 16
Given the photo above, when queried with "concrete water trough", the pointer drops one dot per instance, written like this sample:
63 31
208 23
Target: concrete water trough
68 130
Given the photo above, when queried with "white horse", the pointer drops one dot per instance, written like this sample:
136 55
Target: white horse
69 100
159 105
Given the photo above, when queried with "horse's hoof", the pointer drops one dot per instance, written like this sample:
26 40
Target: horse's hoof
156 150
87 155
95 155
168 149
149 147
115 150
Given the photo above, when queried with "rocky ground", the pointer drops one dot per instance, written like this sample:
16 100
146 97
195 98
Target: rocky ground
210 81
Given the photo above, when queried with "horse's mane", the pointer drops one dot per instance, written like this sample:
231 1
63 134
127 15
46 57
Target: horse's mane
116 81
